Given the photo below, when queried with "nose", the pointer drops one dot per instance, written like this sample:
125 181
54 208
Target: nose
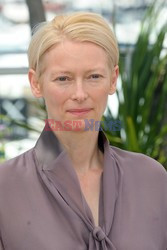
79 94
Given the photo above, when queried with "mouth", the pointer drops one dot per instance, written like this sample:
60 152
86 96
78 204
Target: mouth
79 111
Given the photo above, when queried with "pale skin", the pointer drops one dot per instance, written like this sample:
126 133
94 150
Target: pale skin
75 83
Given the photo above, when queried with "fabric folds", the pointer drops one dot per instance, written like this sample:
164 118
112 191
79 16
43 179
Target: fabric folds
42 206
62 177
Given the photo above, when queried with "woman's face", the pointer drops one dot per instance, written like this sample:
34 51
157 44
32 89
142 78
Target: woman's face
75 82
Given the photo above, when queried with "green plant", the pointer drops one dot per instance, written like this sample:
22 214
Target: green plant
142 97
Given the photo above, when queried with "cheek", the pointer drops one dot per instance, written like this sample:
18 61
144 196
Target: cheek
101 100
50 93
102 95
55 100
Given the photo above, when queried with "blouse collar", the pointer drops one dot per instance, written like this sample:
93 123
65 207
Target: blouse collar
48 148
53 164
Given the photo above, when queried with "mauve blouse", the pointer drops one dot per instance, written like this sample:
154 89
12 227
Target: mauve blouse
42 206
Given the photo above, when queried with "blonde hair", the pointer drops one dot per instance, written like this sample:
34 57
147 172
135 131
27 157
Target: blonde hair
81 27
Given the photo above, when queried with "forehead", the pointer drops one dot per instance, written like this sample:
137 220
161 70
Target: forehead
69 53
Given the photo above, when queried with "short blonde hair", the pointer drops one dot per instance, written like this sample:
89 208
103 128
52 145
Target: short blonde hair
81 27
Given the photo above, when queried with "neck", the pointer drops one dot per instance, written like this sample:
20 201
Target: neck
83 150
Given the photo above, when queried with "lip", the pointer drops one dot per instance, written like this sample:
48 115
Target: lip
79 111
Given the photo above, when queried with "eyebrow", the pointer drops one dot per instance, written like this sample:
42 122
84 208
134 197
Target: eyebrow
69 72
60 72
96 69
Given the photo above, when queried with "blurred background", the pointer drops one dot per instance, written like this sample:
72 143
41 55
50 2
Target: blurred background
140 103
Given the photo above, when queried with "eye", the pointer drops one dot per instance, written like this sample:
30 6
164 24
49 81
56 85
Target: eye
95 76
62 78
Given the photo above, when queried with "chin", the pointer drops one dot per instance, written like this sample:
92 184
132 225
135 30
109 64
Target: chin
75 125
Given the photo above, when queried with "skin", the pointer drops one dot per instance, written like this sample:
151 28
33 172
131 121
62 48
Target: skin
76 75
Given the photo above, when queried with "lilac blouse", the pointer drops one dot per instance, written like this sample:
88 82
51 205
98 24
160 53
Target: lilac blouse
42 206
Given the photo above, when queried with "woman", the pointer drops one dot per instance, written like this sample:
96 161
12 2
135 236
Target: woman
73 191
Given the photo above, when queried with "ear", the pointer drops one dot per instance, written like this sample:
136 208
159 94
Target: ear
34 83
114 77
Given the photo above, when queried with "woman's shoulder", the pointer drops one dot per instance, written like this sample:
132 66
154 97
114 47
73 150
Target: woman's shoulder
14 167
141 174
15 161
137 162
